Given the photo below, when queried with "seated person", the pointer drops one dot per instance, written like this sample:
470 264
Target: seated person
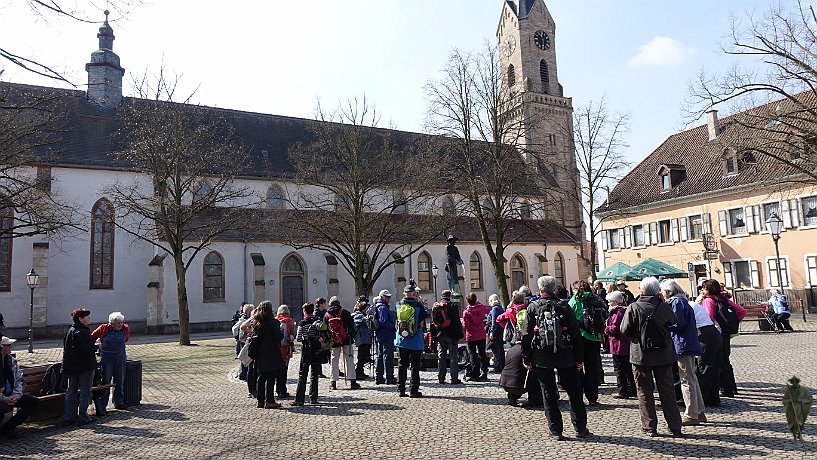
11 379
516 381
779 310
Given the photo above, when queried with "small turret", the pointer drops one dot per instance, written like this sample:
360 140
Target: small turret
104 72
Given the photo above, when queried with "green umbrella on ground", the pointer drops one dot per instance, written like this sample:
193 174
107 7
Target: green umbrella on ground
613 272
656 268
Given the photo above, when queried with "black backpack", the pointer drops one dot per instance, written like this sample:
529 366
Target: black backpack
54 381
371 318
594 316
727 318
652 336
548 324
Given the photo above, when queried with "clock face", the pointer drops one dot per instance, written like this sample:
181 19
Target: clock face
510 45
541 40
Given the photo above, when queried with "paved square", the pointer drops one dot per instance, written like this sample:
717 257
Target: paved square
193 407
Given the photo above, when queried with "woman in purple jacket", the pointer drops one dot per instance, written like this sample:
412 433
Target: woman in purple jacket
620 346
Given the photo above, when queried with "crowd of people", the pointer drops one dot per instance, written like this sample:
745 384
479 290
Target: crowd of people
541 343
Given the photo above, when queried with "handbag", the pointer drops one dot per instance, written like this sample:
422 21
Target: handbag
244 354
253 346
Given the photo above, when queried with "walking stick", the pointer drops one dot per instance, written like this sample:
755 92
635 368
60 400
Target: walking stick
527 374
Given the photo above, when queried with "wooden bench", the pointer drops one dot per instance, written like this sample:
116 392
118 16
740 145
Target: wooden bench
754 312
51 405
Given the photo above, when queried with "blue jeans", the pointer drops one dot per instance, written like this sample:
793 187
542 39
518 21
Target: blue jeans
385 359
78 395
113 365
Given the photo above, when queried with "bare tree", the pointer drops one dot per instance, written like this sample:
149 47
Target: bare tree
81 11
184 195
599 143
29 128
365 194
775 90
485 136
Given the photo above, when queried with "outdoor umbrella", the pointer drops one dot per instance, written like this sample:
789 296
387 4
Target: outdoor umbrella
656 268
613 272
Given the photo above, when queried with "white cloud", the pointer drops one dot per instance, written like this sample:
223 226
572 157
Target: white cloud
661 52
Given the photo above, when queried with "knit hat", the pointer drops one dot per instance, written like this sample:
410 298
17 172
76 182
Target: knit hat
334 302
283 310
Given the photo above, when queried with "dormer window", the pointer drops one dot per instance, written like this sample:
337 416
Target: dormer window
729 165
671 175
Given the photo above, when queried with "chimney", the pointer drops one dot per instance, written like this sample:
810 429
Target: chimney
104 72
712 124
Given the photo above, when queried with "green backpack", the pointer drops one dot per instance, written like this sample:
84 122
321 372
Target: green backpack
521 324
406 326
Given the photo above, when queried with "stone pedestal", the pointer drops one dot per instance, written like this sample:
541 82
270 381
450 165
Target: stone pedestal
155 314
40 264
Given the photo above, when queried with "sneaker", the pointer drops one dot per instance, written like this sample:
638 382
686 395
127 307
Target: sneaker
391 381
314 402
260 404
354 385
272 405
284 396
416 395
557 437
686 421
585 433
380 382
651 433
251 395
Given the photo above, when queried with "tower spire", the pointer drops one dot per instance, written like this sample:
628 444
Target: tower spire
104 72
105 34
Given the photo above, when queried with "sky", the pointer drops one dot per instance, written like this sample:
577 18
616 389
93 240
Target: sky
282 57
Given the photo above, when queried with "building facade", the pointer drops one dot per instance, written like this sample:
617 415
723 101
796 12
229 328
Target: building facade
105 269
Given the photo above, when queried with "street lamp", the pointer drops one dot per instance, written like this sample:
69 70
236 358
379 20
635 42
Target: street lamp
775 225
434 271
32 279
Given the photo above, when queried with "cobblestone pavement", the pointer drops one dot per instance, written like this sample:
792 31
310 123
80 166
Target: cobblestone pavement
193 407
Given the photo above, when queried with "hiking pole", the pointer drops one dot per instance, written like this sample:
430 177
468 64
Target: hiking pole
527 374
345 367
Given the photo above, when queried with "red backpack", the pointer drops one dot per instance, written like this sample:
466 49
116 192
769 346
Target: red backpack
439 315
336 328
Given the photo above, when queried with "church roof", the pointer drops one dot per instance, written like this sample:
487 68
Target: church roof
521 7
702 159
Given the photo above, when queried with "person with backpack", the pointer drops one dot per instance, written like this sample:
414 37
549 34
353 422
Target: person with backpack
410 314
363 337
341 329
79 364
591 313
446 330
727 315
780 310
652 354
288 331
384 322
552 344
495 332
473 321
619 346
685 338
708 371
114 335
508 319
11 392
265 350
311 356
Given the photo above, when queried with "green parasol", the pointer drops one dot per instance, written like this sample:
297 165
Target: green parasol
613 272
656 268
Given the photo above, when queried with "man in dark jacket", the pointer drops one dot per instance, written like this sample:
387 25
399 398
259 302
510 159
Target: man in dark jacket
621 285
567 359
447 338
343 347
11 392
310 359
385 336
655 360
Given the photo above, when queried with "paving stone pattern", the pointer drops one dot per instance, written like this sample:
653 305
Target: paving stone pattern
194 407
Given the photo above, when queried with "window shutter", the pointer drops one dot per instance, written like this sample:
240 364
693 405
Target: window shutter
795 208
759 224
622 240
673 230
786 214
748 213
627 236
604 240
772 271
706 223
683 233
647 238
722 223
654 232
753 266
727 275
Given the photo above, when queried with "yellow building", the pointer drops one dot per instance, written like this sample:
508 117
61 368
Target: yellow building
701 201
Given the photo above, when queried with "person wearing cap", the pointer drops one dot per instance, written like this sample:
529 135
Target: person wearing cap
628 296
79 364
384 338
288 331
363 337
410 348
344 348
447 339
12 382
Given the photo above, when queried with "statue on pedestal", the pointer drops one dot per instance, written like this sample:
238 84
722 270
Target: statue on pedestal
454 259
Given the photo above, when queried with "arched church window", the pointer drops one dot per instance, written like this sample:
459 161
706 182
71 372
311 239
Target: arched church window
424 271
511 75
213 277
559 268
475 266
6 240
102 240
545 76
275 197
519 271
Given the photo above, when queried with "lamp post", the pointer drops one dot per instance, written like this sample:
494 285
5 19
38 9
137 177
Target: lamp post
32 279
434 271
775 225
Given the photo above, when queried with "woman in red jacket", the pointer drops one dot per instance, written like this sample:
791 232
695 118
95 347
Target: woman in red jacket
113 334
715 301
473 321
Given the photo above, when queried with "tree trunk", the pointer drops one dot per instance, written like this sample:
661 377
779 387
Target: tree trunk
184 308
501 278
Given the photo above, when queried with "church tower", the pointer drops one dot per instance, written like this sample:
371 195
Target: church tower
527 49
104 72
